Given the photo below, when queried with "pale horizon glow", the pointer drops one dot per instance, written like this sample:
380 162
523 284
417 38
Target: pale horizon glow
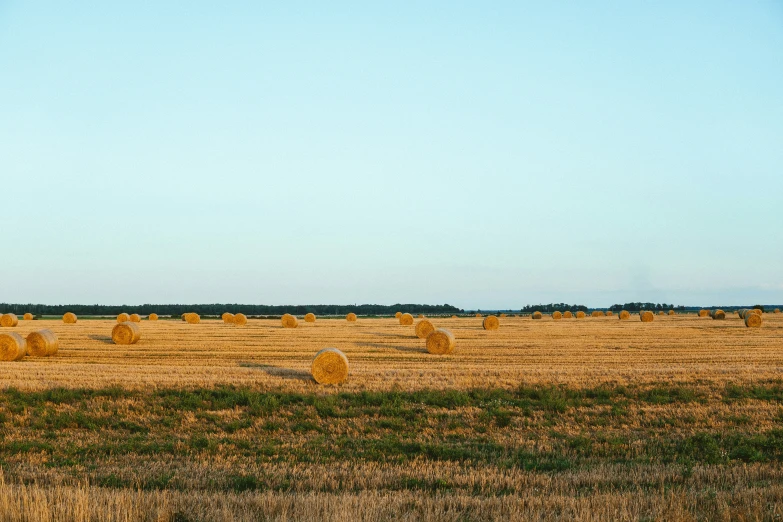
482 155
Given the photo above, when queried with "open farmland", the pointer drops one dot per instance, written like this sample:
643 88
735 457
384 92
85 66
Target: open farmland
589 419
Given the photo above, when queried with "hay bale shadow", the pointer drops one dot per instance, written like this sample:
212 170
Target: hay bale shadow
408 349
277 371
105 339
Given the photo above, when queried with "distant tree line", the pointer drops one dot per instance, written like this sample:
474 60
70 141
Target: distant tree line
218 309
635 307
551 307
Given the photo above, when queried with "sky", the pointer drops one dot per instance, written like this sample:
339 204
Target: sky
482 154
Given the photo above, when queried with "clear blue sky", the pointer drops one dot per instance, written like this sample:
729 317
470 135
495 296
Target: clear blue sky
481 154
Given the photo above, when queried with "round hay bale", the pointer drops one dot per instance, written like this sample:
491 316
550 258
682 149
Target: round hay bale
123 318
453 316
595 313
309 318
536 315
228 318
12 346
70 318
153 317
646 316
330 366
567 314
8 320
421 316
135 318
126 333
406 319
580 315
556 315
240 319
502 315
440 342
184 315
672 312
756 311
776 311
28 317
192 318
351 318
42 343
289 321
624 315
491 322
609 313
424 328
718 314
397 315
661 313
704 313
753 320
479 315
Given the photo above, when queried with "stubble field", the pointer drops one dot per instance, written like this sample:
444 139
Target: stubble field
590 419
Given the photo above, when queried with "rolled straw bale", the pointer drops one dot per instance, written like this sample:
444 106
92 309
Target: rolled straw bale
406 319
135 318
424 328
28 316
661 313
536 315
753 320
556 315
718 314
397 315
624 315
351 318
42 343
153 317
183 316
240 319
123 317
440 342
12 346
330 366
8 320
228 318
580 315
596 313
491 322
756 311
309 318
289 321
672 312
69 318
479 315
567 314
502 315
776 311
609 313
126 333
704 313
453 316
421 316
192 318
741 312
646 316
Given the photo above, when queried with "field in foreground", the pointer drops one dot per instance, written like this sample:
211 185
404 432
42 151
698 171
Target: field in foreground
595 419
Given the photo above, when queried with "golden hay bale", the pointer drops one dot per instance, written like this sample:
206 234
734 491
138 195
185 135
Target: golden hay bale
240 319
753 320
440 342
536 315
42 343
718 314
672 312
406 319
453 316
309 318
69 318
596 313
330 366
8 320
624 315
556 315
183 316
502 315
123 317
567 314
756 311
580 315
192 318
126 333
28 317
397 315
609 313
289 321
135 318
424 328
661 313
12 346
776 311
228 318
421 316
491 322
479 315
153 317
351 318
704 313
646 316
